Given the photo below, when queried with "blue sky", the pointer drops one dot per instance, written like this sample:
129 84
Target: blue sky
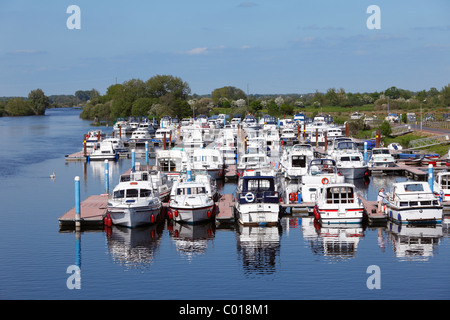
285 46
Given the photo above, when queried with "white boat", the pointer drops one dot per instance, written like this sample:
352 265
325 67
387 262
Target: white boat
349 160
381 157
191 201
140 135
295 161
209 160
338 203
252 161
320 172
250 122
193 139
413 202
93 138
121 127
161 185
162 133
105 151
172 162
134 203
288 135
257 198
441 185
118 144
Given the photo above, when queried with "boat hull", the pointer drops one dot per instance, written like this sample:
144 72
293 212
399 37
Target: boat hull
415 215
132 217
258 214
192 214
353 172
341 216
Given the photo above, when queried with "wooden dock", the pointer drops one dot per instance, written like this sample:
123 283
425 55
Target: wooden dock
225 209
370 207
92 212
77 156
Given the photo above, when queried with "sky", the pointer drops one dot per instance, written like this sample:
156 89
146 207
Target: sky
259 46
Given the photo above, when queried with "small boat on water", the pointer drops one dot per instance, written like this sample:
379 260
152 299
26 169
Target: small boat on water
413 202
294 162
134 203
257 198
192 201
441 185
320 172
252 161
105 151
349 160
381 157
172 162
338 203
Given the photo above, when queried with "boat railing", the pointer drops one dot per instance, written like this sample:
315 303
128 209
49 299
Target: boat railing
259 197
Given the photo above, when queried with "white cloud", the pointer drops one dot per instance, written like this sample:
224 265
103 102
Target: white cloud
197 51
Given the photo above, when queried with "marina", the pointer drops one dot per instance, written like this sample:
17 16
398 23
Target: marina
235 255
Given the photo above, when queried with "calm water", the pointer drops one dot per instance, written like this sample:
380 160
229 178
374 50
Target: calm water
294 261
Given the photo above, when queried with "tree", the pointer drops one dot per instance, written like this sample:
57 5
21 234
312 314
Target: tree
229 93
445 92
38 101
18 107
161 85
385 128
332 97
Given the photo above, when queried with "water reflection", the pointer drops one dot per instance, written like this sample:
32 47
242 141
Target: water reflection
191 239
414 242
258 247
337 241
134 248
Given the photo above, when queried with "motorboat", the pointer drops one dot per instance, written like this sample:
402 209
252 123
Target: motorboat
257 198
147 126
162 133
250 122
288 135
122 127
349 160
118 144
172 162
134 203
209 160
381 157
140 135
294 162
191 200
161 185
413 202
252 161
320 172
441 185
105 151
93 138
193 139
338 203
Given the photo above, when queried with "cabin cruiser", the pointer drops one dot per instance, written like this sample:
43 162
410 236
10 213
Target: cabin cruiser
294 162
172 162
118 144
413 202
381 157
161 185
134 203
192 199
338 203
257 198
193 139
288 135
162 133
93 138
349 160
105 151
252 161
209 160
140 135
441 185
250 122
122 127
320 172
147 126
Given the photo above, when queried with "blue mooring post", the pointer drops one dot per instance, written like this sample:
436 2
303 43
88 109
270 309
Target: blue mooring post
430 176
77 202
146 152
133 159
365 152
299 194
189 174
106 177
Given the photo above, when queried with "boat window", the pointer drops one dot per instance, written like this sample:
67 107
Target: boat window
299 161
340 195
132 193
425 203
167 165
403 203
119 194
413 187
145 193
259 185
435 202
414 203
445 182
191 190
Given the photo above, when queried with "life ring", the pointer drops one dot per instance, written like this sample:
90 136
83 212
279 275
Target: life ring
249 197
292 196
325 181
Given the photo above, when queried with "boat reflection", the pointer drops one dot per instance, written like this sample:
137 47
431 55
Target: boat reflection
258 247
191 239
414 242
336 241
134 248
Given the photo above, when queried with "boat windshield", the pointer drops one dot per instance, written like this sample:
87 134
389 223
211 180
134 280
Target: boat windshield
191 190
132 193
380 151
413 187
258 185
340 194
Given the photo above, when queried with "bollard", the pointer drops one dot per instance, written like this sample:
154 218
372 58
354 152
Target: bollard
77 202
299 194
106 177
430 176
133 159
146 152
365 152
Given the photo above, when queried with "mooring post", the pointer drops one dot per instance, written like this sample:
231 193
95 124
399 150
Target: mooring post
133 159
77 203
365 152
146 152
430 176
106 176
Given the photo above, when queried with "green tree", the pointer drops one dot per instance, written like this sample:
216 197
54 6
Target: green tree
18 107
385 129
230 93
38 101
332 97
445 92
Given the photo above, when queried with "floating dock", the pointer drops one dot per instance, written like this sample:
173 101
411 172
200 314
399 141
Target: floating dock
92 212
225 209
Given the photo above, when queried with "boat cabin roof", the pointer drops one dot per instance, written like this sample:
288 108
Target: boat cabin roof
412 187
